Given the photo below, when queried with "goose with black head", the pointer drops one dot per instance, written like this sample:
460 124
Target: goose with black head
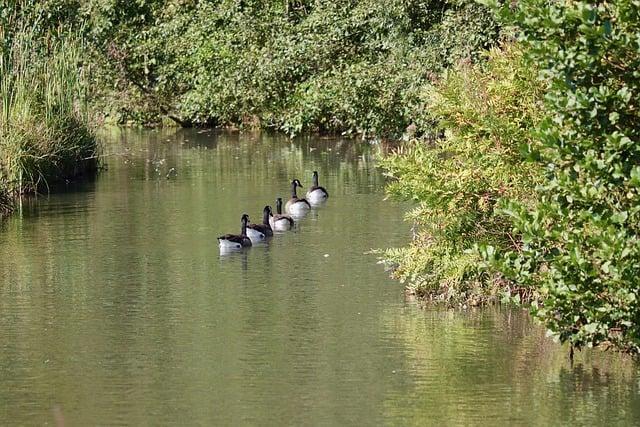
295 205
317 194
280 221
236 241
259 232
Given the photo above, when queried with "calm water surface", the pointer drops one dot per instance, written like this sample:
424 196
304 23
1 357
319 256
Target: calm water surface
117 308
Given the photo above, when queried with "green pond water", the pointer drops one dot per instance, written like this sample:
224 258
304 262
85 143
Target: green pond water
116 307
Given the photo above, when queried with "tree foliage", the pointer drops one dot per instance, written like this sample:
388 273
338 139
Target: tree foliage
580 244
354 66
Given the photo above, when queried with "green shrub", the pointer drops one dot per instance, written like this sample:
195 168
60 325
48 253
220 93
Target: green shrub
489 110
580 243
352 66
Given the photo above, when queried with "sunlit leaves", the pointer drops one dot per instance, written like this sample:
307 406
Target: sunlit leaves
489 110
585 254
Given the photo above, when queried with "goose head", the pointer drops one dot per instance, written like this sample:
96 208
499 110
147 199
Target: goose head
266 213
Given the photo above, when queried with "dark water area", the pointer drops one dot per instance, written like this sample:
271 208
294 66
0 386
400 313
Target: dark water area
117 308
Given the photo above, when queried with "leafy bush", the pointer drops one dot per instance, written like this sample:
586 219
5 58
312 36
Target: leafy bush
353 67
580 243
489 110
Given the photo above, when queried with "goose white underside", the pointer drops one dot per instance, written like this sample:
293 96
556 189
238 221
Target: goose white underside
255 235
228 244
317 197
282 224
298 208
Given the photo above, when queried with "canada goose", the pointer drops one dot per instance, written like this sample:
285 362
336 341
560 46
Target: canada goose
296 206
280 222
316 194
261 231
236 241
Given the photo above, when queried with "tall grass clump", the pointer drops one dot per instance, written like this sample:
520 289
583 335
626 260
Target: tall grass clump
45 135
488 111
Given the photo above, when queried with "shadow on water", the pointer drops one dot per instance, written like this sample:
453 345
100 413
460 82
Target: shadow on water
116 304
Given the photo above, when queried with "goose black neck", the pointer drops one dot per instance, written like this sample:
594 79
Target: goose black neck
294 195
315 179
265 216
279 206
243 229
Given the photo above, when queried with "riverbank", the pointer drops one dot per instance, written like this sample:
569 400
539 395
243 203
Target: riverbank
37 154
488 111
527 199
46 135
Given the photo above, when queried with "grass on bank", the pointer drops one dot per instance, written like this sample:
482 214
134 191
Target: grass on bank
488 111
45 134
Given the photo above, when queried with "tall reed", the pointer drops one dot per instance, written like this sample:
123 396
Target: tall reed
45 134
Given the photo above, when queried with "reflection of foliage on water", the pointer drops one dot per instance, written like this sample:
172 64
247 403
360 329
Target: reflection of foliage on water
5 203
255 156
504 360
117 272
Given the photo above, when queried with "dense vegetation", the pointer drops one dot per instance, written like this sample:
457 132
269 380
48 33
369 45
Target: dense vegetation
350 67
581 242
5 203
521 155
44 128
573 244
489 110
354 66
